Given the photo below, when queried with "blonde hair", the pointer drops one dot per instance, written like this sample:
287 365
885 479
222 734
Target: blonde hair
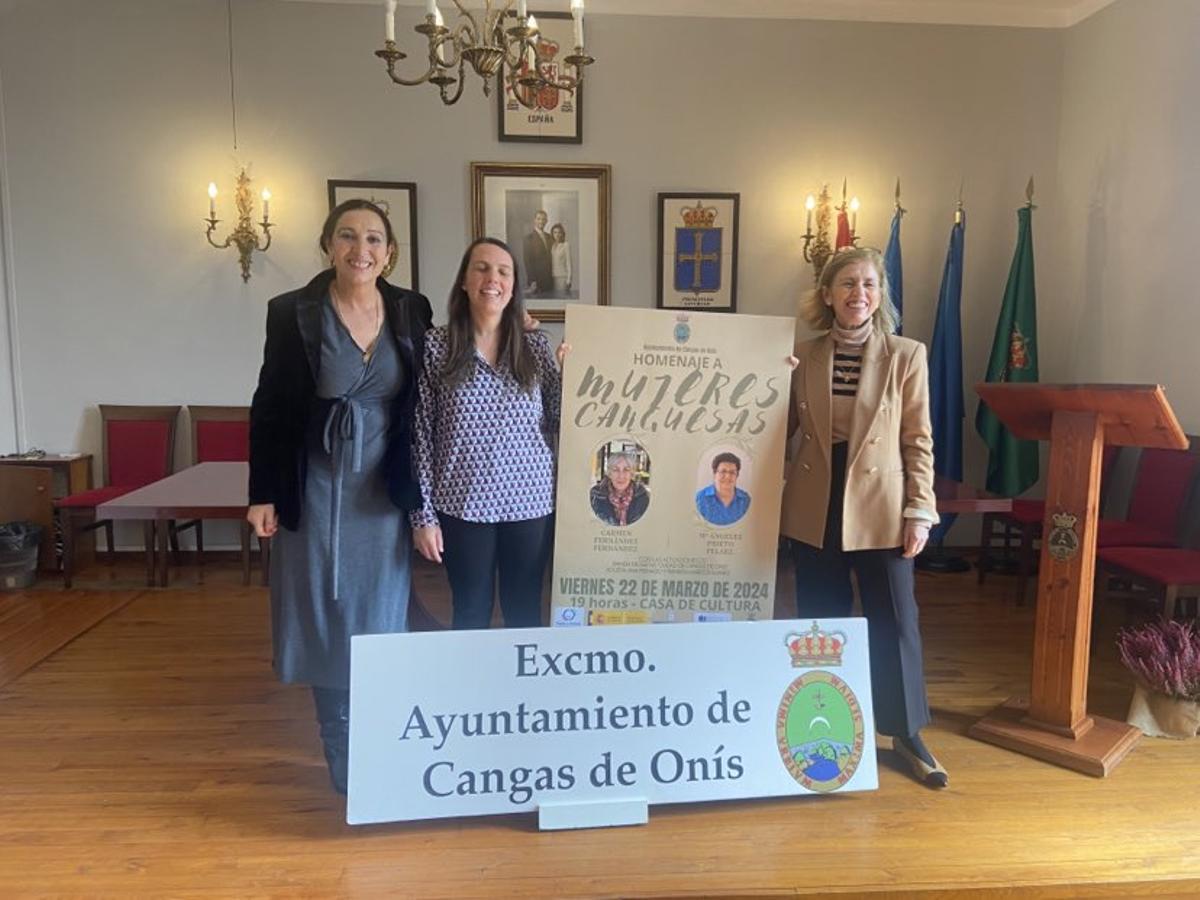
819 315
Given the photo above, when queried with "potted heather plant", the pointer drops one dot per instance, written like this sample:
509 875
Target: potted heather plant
1164 658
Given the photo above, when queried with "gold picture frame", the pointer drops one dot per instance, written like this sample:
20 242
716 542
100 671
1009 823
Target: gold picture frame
506 199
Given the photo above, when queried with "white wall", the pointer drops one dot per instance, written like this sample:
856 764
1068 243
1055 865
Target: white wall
121 118
1124 304
9 368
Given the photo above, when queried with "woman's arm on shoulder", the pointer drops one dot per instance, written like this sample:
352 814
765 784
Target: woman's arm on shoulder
549 378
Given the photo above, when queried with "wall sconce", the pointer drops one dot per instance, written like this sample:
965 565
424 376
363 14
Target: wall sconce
244 237
817 247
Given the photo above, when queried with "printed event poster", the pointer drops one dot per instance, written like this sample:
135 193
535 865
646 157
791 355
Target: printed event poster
670 466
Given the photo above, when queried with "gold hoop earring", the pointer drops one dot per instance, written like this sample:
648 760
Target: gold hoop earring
390 266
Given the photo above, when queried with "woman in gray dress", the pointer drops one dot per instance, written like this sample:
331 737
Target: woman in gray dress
330 461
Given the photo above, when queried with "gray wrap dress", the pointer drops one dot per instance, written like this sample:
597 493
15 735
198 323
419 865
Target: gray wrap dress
346 570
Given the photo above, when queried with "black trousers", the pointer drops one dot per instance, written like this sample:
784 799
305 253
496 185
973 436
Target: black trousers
474 552
885 586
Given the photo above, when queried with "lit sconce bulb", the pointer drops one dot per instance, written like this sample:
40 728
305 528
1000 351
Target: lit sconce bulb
266 195
212 199
810 203
853 215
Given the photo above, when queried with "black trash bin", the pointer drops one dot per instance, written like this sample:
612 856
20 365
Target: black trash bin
18 554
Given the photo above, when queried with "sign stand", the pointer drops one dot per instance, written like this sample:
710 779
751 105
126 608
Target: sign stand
593 814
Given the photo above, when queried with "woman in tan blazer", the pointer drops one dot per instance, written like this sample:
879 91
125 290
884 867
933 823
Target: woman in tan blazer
859 494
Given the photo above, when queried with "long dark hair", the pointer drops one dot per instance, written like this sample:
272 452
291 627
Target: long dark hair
460 333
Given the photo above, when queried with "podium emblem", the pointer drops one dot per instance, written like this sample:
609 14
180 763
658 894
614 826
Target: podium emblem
1063 541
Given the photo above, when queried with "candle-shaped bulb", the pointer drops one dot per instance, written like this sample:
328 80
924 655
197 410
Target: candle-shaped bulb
809 203
522 10
576 6
577 16
530 55
389 20
430 7
441 47
853 214
266 195
212 199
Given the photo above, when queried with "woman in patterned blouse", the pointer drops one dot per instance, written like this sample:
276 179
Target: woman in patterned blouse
487 413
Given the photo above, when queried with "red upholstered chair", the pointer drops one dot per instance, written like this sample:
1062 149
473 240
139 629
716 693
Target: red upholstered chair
1164 479
1024 525
1153 551
138 448
1159 573
221 434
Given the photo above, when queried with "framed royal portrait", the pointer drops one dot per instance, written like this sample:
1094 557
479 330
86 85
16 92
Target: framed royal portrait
555 219
548 116
697 251
399 200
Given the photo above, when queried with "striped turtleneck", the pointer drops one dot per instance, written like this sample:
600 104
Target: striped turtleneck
847 369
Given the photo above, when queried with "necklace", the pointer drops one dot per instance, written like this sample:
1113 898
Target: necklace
845 375
337 308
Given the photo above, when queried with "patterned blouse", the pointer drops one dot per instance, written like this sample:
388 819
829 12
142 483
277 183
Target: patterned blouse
483 449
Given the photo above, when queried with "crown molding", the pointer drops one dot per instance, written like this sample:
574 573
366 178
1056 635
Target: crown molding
1005 13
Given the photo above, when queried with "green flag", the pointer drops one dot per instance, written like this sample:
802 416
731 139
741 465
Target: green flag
1013 464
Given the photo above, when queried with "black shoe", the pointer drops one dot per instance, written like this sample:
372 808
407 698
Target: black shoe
933 776
333 717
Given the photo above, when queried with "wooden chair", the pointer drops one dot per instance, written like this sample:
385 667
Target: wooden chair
138 447
1024 527
222 434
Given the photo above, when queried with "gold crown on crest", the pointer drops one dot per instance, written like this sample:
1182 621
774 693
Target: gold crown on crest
699 216
816 648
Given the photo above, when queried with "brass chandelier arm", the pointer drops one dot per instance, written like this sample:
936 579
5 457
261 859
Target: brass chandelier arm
390 55
446 80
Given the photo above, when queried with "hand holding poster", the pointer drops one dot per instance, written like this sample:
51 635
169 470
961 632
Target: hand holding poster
670 466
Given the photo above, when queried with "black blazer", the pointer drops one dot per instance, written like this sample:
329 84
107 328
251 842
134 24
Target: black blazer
283 403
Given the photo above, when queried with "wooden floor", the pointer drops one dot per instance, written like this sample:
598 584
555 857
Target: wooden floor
155 755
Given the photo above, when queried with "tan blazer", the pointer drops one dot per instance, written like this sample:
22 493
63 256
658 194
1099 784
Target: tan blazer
889 463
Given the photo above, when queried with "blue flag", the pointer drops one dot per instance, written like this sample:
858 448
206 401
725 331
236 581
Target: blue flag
894 269
946 372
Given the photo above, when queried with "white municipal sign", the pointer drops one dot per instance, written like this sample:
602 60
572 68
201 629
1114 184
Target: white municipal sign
465 723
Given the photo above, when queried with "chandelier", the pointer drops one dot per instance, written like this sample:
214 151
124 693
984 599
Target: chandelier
488 39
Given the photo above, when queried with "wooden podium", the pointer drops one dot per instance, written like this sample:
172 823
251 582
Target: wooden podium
1078 420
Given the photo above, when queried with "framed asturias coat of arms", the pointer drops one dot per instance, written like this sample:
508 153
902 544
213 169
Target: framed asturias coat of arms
697 251
549 115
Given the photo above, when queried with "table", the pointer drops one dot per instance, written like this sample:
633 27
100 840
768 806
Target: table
29 485
210 490
956 497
